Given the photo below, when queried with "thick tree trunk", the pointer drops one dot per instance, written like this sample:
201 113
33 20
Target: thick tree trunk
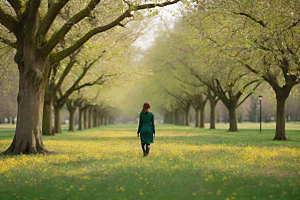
80 123
28 134
197 113
212 114
47 116
232 120
280 119
72 119
57 120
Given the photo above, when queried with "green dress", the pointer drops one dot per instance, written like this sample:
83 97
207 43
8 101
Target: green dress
146 127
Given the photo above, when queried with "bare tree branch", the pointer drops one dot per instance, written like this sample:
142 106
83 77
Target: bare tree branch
55 57
32 20
54 40
16 4
252 18
8 42
246 97
8 21
50 17
248 67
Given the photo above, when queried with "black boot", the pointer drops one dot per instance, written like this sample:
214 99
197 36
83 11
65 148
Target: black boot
144 150
147 149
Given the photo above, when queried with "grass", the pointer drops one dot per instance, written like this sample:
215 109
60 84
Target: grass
184 163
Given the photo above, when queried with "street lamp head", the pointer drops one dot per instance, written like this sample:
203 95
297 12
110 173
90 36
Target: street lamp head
260 97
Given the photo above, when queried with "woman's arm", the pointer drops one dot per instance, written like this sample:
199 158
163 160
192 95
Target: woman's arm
140 123
153 126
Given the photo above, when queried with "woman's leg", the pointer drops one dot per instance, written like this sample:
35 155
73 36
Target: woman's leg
143 147
147 149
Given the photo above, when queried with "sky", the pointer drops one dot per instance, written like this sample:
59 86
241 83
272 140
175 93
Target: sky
166 14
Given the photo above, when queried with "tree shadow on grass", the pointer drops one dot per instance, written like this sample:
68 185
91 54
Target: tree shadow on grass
148 179
229 139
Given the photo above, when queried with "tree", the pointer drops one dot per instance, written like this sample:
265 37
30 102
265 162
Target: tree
264 37
32 24
213 100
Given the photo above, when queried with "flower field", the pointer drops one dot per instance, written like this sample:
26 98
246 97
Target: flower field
184 163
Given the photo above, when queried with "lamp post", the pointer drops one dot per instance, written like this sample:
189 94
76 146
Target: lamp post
260 98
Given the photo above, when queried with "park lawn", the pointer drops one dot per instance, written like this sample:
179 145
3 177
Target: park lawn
184 163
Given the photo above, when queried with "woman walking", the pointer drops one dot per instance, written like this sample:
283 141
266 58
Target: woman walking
146 128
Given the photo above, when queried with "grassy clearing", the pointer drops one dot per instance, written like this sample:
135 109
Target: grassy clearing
184 163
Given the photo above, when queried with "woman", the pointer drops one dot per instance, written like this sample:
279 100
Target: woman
146 128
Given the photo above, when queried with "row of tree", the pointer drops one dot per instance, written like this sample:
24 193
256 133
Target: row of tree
43 34
225 51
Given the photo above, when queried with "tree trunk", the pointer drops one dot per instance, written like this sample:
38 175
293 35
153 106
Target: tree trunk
95 119
72 112
197 112
28 135
86 118
202 113
80 125
280 119
91 113
232 120
47 116
212 114
57 120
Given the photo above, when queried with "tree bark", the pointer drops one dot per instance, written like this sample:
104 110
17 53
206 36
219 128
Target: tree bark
232 120
47 116
28 134
197 112
86 118
280 119
212 114
72 119
202 114
80 125
95 119
57 120
187 117
90 116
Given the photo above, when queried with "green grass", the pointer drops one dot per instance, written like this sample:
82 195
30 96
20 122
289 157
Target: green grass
184 163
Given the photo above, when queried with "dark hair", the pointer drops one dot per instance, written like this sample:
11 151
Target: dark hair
146 107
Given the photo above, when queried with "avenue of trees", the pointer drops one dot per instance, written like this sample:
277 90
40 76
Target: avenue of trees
79 55
226 51
35 29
